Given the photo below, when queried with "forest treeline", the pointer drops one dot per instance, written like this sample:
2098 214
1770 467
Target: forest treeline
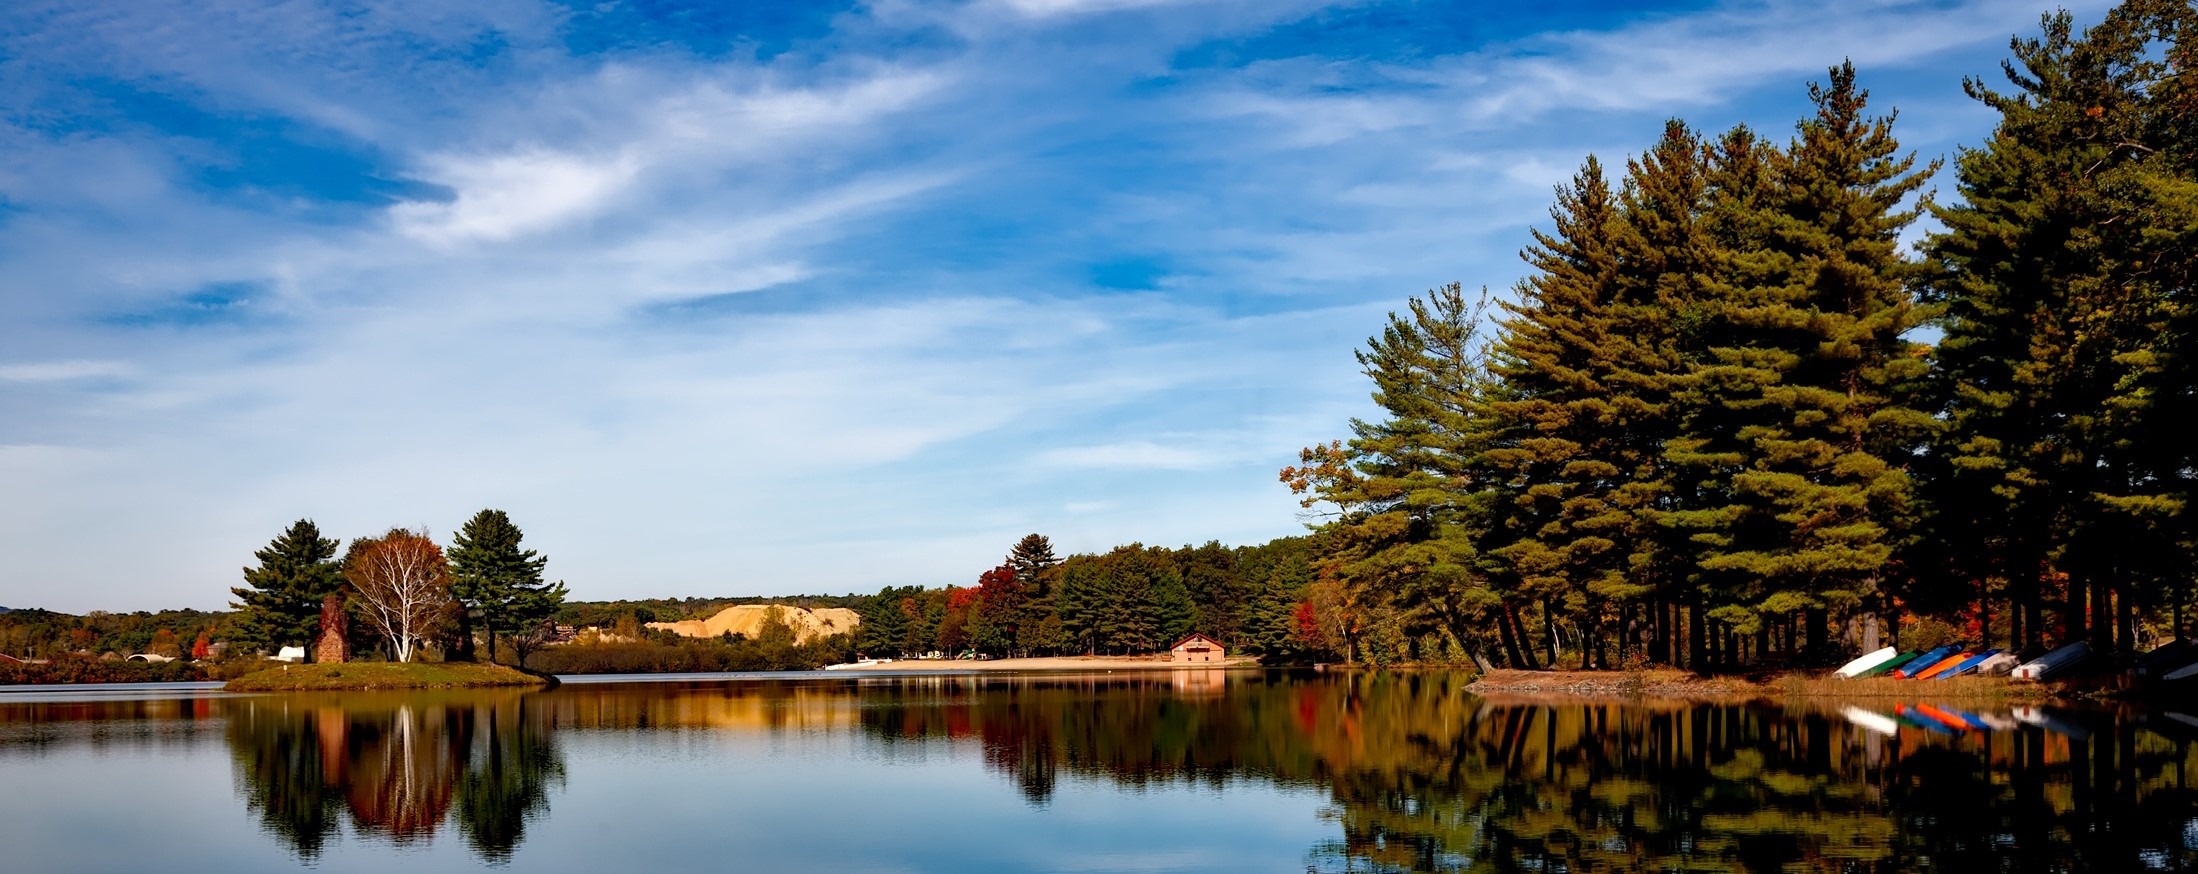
1760 399
1732 415
1262 600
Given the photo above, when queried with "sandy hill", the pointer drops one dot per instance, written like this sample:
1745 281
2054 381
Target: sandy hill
747 619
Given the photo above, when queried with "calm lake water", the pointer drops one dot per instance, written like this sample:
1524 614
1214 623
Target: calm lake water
1197 771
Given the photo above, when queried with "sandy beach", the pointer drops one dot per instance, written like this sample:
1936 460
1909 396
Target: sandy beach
1058 663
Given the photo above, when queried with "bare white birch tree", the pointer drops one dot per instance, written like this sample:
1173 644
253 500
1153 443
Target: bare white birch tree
402 583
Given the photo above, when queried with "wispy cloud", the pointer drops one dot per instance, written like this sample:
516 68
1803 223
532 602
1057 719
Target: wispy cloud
62 371
856 309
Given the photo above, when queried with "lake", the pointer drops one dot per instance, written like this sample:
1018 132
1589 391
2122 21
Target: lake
1205 771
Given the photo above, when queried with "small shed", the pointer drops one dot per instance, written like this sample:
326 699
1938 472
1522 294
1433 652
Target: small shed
1197 649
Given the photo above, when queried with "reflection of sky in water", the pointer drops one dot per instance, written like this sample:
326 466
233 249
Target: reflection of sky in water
130 794
1154 773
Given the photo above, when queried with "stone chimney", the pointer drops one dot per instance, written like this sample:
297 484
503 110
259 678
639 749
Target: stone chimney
334 645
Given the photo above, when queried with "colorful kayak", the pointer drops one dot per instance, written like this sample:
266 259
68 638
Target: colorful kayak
1998 665
1944 664
1856 667
1895 664
1927 659
1968 665
2046 666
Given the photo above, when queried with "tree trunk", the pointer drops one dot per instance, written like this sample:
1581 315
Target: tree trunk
1698 645
1511 654
1549 632
2125 622
2102 618
463 650
2072 614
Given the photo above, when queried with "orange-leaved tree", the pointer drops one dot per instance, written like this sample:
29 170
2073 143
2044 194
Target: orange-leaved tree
402 583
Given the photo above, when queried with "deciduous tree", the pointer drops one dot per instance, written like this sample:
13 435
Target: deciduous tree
401 586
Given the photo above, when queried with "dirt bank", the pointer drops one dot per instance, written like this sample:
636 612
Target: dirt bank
1058 663
1688 685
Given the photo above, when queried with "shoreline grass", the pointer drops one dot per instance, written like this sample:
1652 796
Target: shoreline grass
366 676
1792 686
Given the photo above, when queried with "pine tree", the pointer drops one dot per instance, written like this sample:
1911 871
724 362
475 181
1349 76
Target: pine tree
1561 426
497 583
1409 501
2060 272
1804 395
280 603
1664 256
1038 571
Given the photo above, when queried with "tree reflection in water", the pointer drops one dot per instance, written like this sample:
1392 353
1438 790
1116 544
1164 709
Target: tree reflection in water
398 765
1425 777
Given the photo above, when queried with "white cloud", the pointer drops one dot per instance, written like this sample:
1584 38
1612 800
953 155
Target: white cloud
818 321
1131 455
710 126
62 371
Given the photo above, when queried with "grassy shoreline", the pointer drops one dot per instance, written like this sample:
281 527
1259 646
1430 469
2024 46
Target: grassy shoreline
366 676
1687 685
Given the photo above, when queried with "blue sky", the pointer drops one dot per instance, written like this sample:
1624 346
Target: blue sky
754 298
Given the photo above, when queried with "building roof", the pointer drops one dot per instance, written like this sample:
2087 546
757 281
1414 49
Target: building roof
1197 636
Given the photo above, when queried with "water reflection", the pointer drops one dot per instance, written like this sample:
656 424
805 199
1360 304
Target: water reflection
1412 773
1425 777
398 766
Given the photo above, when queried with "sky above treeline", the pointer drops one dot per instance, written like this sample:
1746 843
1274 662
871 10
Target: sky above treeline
762 298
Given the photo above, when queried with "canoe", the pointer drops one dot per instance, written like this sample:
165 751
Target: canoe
2183 673
1856 667
1943 664
1998 665
1873 721
2045 666
1896 663
1968 665
1927 659
2167 659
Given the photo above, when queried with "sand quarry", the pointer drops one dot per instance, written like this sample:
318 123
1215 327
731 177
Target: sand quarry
747 620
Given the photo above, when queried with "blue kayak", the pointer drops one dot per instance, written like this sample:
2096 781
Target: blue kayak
1927 659
1967 665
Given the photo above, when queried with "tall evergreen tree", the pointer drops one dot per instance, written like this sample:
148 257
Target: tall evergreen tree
280 602
1568 447
1409 500
2062 271
1805 395
497 583
1038 570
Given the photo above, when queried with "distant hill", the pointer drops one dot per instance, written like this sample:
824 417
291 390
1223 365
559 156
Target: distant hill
5 610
